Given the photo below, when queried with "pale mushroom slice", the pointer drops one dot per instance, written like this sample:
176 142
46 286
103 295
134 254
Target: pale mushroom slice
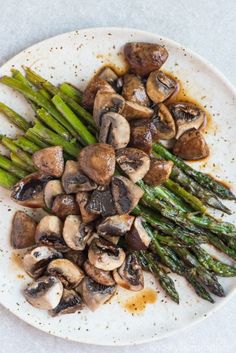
73 180
163 124
69 274
134 90
114 130
137 238
82 198
35 262
96 84
98 161
51 190
45 293
70 303
76 233
130 274
95 294
65 205
116 225
98 275
187 116
159 172
49 233
108 75
105 255
101 202
23 230
28 191
160 86
125 193
105 102
191 146
50 160
135 111
133 162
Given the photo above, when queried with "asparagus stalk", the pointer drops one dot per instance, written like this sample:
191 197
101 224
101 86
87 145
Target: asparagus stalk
7 180
20 163
27 145
71 91
14 117
203 179
6 164
34 138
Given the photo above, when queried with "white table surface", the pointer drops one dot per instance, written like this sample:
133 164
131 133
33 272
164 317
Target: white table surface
209 28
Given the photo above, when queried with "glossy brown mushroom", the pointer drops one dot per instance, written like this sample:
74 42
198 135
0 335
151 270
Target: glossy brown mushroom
163 124
89 94
23 231
134 111
137 238
82 198
159 171
65 205
50 160
160 86
141 135
101 202
133 90
106 102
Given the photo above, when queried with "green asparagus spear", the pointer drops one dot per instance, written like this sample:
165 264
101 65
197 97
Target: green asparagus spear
6 164
14 117
71 91
20 163
7 180
26 145
34 138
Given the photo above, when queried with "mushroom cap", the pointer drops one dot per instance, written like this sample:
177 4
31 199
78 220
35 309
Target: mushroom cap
141 135
133 162
23 230
82 198
69 303
159 172
65 205
145 57
101 202
98 161
115 130
134 90
50 160
45 293
191 146
137 238
163 124
76 233
108 75
98 275
105 102
51 190
160 86
68 273
135 111
115 225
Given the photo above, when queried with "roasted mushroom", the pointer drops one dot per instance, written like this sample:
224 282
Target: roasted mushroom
65 205
98 161
76 233
95 85
106 102
130 274
82 198
95 294
28 191
108 75
133 162
35 262
98 275
73 180
159 171
144 58
78 257
69 274
104 255
187 116
137 238
50 160
133 90
101 202
125 194
115 130
134 111
162 124
51 190
115 225
111 238
49 232
70 302
160 86
191 145
141 135
23 231
45 293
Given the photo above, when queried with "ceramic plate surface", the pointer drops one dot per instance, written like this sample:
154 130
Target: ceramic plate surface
75 57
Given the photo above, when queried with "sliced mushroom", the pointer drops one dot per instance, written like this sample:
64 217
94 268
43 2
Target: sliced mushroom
98 161
65 205
98 275
51 190
134 111
69 303
95 294
82 198
78 257
130 274
115 225
115 130
111 238
137 238
105 102
35 262
45 293
141 135
187 116
144 58
160 86
191 146
133 162
69 274
134 90
108 75
23 231
49 232
101 202
163 124
95 85
125 194
76 233
159 171
28 191
50 160
73 180
104 255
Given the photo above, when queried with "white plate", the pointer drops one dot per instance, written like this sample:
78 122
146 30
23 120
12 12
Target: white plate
74 57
